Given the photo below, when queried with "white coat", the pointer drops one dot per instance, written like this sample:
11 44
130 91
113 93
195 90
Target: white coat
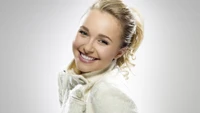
102 91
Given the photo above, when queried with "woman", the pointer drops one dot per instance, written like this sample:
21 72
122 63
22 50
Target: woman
107 39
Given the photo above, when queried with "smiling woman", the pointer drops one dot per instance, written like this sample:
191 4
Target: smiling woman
98 33
108 36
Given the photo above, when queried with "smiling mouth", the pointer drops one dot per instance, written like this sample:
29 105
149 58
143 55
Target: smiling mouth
86 58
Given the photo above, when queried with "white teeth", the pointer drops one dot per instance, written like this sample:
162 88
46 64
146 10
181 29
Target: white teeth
86 57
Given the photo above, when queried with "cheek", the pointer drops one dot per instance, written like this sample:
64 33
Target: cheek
76 43
108 53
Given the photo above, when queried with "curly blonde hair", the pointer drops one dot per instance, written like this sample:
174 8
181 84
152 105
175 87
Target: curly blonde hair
132 27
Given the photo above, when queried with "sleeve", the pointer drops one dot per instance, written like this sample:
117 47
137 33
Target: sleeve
110 99
62 86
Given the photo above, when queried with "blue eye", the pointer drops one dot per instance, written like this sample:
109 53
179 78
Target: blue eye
83 32
103 42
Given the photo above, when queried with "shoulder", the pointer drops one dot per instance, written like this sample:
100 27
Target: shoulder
62 85
111 94
62 78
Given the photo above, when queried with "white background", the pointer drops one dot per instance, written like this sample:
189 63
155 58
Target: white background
35 44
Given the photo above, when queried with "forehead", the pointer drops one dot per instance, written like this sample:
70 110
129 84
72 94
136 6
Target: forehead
99 22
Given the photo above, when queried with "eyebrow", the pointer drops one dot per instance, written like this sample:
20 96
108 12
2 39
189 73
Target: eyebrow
100 35
85 28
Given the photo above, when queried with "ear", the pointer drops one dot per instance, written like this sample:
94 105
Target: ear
121 52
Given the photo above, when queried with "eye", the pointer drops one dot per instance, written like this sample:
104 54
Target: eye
104 42
83 32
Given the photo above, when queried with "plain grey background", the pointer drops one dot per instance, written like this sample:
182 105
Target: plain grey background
35 44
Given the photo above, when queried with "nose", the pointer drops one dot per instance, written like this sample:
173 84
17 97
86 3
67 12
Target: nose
88 48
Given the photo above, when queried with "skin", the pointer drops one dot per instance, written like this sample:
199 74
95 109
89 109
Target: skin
98 38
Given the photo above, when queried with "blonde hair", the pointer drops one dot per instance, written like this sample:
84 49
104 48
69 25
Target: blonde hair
132 27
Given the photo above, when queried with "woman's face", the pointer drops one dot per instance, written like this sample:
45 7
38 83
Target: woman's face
97 41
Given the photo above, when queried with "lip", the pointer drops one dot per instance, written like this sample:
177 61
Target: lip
85 60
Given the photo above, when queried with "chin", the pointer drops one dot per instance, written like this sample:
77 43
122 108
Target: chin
84 69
